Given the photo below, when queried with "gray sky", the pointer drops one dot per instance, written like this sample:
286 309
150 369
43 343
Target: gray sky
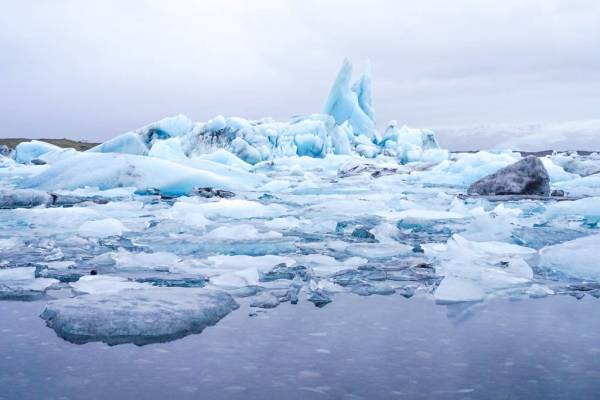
94 69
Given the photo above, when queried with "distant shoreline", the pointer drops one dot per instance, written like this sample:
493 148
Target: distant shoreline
82 146
75 144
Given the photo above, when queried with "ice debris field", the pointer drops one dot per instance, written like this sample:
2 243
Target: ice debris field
159 232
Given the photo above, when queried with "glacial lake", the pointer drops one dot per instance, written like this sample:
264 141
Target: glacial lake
376 347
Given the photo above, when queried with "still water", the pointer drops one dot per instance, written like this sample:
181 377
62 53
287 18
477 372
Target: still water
378 347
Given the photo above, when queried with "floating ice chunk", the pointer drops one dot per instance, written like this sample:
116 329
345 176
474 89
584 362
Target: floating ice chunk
189 213
265 300
556 172
240 209
454 289
27 151
487 265
420 215
125 260
56 219
236 279
537 291
577 165
127 143
285 223
102 228
9 243
261 263
588 208
21 284
241 232
105 284
137 316
275 185
324 265
343 103
107 171
587 186
577 258
496 224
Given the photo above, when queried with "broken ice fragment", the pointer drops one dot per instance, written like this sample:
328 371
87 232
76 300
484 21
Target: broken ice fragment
137 316
282 271
319 298
21 284
265 300
577 258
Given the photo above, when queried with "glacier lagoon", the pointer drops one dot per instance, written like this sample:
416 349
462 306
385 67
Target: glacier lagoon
323 239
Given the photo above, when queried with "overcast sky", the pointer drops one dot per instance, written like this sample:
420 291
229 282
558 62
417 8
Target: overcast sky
94 69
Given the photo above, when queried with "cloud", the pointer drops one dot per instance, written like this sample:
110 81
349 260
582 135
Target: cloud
95 69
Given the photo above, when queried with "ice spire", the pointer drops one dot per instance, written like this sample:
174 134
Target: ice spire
362 88
344 103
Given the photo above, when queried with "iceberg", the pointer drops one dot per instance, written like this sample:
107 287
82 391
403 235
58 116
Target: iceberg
346 126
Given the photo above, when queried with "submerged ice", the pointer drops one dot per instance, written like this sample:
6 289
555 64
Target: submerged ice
151 235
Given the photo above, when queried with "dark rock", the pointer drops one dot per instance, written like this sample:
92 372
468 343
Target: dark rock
37 161
557 193
525 177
